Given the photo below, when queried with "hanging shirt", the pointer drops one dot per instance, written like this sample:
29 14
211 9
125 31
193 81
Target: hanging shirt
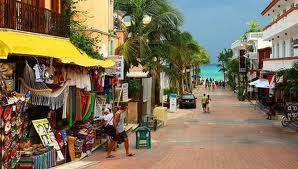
39 72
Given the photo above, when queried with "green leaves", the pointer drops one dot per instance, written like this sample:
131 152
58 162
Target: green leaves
290 77
76 35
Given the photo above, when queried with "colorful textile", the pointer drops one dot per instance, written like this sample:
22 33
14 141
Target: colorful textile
43 161
90 106
71 107
78 112
71 148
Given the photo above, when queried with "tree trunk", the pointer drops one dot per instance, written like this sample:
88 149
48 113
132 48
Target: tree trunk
157 87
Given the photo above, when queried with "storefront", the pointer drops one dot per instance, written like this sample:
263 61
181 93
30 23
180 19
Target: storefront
51 95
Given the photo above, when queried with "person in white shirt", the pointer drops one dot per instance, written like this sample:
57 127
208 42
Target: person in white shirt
108 123
108 117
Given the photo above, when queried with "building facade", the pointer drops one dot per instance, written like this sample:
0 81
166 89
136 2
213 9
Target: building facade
283 33
36 16
99 18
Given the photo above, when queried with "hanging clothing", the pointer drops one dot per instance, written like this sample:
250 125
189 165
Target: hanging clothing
78 112
39 72
97 109
86 80
65 103
90 107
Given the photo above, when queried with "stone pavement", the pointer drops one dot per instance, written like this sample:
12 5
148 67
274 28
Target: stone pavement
233 136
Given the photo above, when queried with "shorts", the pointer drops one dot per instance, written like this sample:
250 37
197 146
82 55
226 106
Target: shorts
110 131
120 137
204 105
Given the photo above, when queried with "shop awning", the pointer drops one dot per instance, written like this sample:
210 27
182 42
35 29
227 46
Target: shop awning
262 83
19 43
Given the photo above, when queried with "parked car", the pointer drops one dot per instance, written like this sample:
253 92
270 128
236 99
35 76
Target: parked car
187 101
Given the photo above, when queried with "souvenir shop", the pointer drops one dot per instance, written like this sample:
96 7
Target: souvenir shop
49 107
48 111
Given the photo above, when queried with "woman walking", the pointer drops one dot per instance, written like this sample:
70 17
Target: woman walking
208 104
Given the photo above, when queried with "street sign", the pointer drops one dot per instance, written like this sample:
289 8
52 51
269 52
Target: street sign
173 102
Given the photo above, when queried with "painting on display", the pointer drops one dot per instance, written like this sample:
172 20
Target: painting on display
47 136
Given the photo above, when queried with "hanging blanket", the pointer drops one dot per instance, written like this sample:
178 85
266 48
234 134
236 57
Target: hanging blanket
89 107
41 95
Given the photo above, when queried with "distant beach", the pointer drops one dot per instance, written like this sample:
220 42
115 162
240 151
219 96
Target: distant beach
211 71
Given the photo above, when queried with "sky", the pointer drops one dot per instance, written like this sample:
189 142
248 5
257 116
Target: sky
215 24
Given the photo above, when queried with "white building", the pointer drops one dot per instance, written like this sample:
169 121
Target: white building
251 49
283 32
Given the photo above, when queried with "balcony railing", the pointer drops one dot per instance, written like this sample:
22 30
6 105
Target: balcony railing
24 17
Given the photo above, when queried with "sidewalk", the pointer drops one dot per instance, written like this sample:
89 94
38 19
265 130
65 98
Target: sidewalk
80 163
234 135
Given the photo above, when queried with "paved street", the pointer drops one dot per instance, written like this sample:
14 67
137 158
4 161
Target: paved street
233 136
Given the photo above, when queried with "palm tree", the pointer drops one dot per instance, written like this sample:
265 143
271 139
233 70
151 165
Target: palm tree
163 21
253 26
224 58
185 53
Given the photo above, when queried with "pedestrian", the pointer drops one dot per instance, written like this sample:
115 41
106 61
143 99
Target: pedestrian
213 86
209 85
271 112
204 101
121 134
110 130
206 83
208 104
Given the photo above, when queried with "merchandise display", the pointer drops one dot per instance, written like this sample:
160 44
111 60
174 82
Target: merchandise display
51 112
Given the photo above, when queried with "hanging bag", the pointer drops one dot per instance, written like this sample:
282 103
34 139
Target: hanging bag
110 129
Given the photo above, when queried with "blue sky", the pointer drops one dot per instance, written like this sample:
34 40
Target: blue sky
215 24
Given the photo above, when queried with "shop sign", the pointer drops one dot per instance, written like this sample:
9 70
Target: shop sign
118 68
292 111
173 102
125 91
47 136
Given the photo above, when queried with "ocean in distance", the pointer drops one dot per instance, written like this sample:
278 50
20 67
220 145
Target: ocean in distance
211 71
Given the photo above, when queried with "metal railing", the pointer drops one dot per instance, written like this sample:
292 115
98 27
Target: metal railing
24 17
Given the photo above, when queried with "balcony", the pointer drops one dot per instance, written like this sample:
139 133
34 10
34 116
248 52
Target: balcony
276 64
23 17
253 55
254 36
237 44
285 22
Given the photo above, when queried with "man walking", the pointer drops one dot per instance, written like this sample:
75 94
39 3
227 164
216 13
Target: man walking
121 134
204 101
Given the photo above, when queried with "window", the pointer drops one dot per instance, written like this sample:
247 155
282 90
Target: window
284 49
292 47
277 50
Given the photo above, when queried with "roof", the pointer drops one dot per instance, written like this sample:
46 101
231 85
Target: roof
273 2
137 72
37 45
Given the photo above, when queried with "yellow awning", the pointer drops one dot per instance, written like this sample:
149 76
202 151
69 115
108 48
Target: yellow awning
19 43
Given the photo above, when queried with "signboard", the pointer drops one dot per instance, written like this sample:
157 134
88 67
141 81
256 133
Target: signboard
118 68
292 111
125 91
173 102
47 136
